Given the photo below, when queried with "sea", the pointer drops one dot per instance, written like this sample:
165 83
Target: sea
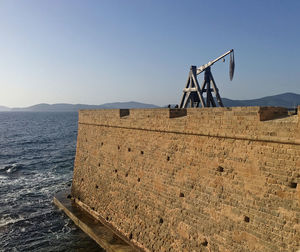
37 151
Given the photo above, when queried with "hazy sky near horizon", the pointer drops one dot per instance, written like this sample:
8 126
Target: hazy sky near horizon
94 52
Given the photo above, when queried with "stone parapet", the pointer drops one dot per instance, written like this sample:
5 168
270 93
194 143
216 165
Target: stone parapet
209 179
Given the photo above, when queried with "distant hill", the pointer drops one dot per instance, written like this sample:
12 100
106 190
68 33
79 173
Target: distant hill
3 108
65 107
288 100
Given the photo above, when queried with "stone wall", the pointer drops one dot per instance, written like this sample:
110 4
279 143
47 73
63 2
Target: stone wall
209 179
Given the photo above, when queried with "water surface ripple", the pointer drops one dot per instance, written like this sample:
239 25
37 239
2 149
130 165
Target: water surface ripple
36 160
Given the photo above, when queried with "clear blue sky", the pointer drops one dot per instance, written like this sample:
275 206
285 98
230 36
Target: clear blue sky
106 51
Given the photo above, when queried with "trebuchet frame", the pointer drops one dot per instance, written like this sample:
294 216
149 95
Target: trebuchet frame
193 93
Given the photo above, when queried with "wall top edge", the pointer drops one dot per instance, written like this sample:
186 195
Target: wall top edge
257 113
197 109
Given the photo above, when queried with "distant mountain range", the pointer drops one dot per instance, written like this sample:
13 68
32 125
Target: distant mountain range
288 100
65 107
3 108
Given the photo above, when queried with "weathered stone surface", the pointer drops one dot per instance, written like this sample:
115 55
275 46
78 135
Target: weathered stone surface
214 179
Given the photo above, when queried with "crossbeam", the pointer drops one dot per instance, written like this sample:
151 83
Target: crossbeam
203 67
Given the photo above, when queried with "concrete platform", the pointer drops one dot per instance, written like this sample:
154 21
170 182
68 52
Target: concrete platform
100 233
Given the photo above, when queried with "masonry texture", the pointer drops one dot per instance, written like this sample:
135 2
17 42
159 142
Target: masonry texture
198 179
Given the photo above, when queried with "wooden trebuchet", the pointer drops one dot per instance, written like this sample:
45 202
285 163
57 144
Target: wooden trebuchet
193 93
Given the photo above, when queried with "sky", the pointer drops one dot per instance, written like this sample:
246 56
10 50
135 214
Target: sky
94 52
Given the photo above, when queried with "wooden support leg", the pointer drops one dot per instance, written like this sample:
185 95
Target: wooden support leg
184 93
216 90
192 88
209 97
203 85
207 94
185 102
199 92
182 100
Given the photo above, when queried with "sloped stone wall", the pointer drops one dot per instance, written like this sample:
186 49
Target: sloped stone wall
209 179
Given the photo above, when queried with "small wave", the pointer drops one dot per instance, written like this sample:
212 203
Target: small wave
9 220
11 168
2 168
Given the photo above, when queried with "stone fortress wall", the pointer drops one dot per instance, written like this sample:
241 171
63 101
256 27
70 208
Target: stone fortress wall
198 179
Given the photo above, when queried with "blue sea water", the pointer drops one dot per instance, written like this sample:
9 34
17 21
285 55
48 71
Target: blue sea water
37 152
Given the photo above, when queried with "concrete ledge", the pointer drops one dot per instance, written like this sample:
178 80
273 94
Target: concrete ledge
104 236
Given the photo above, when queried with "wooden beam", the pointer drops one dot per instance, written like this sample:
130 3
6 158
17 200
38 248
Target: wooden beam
199 92
216 90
